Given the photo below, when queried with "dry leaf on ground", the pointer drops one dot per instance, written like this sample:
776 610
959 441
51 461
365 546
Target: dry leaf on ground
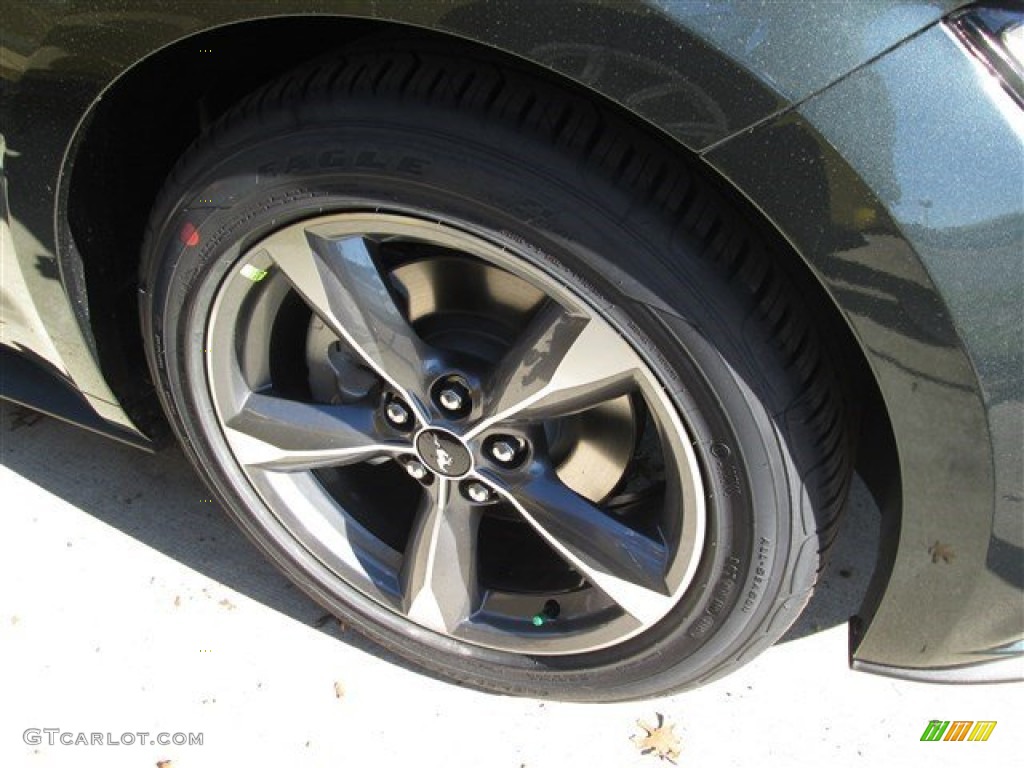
940 551
659 740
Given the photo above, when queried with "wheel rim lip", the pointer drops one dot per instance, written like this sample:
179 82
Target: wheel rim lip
513 256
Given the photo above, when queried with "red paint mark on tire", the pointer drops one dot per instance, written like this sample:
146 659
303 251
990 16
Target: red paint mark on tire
189 235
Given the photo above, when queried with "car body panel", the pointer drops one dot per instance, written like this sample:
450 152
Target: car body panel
37 320
827 97
950 372
716 69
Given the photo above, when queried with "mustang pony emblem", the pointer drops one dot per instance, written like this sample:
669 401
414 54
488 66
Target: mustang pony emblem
444 459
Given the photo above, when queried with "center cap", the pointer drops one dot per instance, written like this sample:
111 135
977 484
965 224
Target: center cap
443 452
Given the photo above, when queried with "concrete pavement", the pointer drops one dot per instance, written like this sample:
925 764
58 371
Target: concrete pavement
129 604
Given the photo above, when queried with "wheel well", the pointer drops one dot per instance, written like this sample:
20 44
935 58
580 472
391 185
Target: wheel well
127 148
145 121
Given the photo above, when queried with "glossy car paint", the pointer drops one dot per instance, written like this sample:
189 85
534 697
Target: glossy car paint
950 370
864 132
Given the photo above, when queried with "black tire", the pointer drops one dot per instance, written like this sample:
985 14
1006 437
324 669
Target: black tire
599 204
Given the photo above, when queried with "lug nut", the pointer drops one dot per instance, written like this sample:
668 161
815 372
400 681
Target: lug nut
451 399
504 451
478 492
416 470
397 413
451 394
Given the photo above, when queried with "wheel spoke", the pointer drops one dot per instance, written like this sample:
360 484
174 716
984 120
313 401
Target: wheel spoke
285 435
439 577
561 363
625 564
341 280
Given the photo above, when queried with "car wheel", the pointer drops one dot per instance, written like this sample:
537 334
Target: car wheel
496 376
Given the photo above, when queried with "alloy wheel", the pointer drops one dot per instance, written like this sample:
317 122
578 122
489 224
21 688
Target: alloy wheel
455 432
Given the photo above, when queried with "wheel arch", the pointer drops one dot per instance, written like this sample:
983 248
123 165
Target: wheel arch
148 111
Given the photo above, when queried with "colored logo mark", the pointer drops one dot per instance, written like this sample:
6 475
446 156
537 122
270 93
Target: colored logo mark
958 730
